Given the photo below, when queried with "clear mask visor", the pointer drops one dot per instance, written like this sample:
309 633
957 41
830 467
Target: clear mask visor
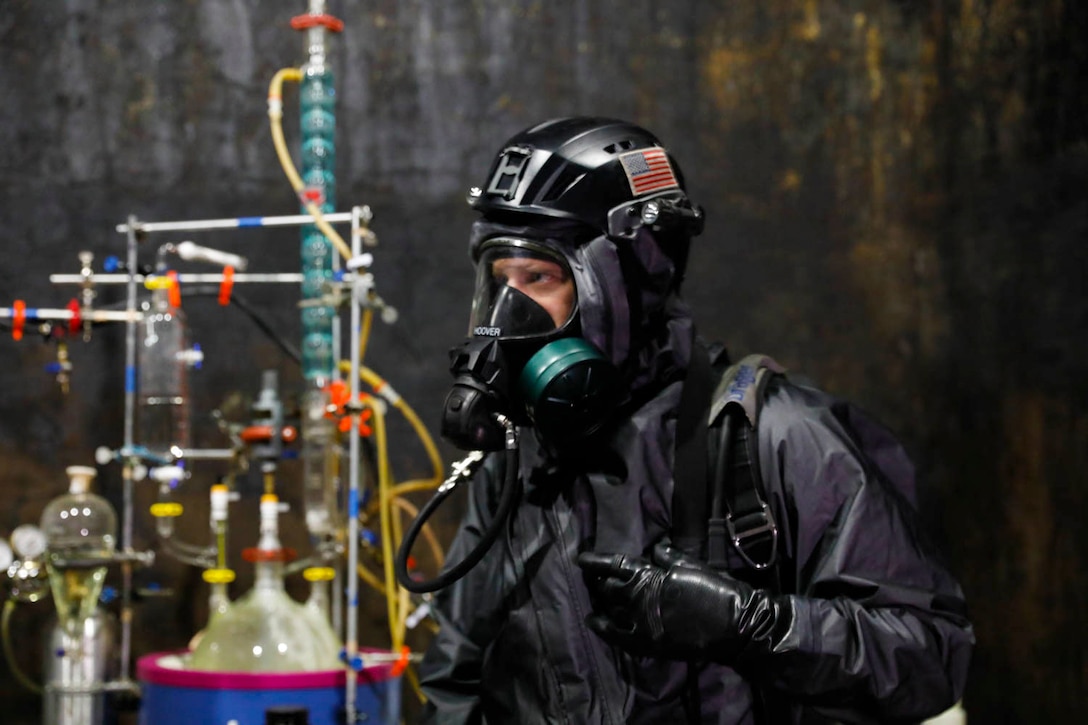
523 290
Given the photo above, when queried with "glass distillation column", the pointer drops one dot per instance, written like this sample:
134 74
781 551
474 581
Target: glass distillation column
164 358
266 630
317 93
80 534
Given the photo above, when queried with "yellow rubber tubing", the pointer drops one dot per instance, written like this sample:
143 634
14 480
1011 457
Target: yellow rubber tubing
275 117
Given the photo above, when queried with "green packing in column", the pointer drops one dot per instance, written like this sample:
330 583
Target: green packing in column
318 127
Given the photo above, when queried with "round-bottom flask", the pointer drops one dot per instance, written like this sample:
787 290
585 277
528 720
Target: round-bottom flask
79 529
266 630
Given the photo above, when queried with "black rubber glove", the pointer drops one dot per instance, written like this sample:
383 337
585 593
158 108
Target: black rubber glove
678 608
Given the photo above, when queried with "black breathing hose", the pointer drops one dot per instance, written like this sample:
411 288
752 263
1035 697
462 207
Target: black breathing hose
506 503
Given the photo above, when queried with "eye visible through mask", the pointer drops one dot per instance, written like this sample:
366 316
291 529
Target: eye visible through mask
523 290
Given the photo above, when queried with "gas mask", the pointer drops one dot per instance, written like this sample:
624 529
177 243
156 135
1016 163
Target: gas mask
524 358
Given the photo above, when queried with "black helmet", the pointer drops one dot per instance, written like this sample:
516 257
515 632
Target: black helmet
609 175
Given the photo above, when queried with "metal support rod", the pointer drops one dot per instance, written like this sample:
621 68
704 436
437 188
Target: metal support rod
127 469
350 640
292 220
207 454
56 313
185 278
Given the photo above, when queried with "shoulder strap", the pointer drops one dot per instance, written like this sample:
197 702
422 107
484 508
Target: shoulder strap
690 485
739 515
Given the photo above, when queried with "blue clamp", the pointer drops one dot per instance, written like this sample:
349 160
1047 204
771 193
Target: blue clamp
368 537
355 663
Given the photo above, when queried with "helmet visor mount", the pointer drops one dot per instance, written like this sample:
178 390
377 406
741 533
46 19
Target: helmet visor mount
524 290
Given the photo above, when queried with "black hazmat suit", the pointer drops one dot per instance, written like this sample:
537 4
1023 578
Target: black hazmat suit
873 627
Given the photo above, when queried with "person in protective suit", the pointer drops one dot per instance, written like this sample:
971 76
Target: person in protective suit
586 610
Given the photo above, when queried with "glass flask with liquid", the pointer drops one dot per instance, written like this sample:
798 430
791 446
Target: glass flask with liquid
316 608
80 530
266 630
163 364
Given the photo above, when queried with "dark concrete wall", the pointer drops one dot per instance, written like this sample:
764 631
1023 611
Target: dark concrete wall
895 195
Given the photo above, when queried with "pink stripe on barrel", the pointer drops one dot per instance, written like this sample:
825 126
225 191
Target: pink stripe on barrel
150 669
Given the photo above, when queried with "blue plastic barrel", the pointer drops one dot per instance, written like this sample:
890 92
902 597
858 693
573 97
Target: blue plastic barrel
175 695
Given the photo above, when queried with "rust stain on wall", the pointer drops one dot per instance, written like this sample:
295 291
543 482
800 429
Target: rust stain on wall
877 153
141 100
729 73
809 28
880 151
1035 432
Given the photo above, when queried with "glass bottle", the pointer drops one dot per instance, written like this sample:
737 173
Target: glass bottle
319 465
163 365
80 533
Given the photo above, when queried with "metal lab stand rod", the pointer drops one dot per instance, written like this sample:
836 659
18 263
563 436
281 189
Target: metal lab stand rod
354 452
128 466
50 313
292 220
184 278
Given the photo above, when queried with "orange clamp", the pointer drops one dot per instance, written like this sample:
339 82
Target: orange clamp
339 396
175 289
256 434
339 393
402 662
266 433
364 428
18 319
226 286
303 22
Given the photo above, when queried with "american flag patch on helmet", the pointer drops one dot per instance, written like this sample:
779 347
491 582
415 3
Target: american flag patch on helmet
648 170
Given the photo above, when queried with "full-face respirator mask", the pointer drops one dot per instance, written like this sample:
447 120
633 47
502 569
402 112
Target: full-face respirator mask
524 358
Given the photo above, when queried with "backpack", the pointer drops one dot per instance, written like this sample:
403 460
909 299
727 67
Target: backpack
719 504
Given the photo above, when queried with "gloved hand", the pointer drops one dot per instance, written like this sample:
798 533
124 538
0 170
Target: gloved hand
678 608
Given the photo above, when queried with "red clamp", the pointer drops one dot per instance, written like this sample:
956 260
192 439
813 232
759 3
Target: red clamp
402 662
18 319
226 286
175 289
304 22
76 320
265 433
339 397
257 434
312 195
339 393
254 555
364 426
